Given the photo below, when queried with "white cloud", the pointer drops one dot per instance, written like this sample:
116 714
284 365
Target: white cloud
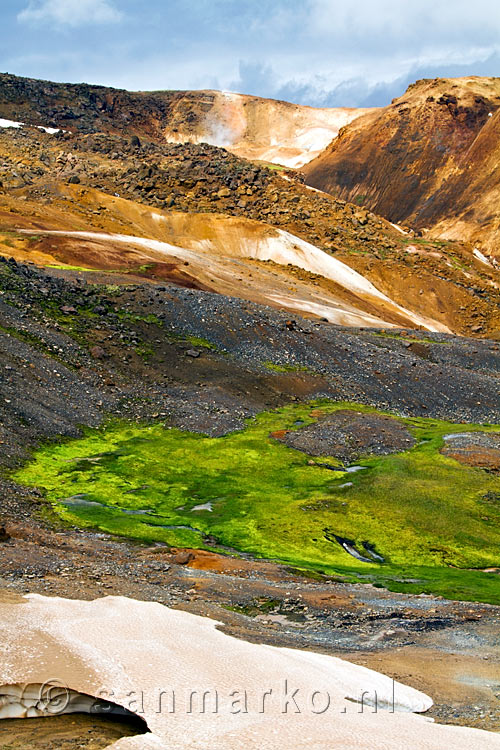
321 52
70 12
415 26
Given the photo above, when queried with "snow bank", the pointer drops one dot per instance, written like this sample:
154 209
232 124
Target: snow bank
10 124
198 688
287 248
478 254
342 315
398 228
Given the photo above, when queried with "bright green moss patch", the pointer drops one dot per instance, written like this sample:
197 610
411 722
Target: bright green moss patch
431 518
286 368
200 342
68 267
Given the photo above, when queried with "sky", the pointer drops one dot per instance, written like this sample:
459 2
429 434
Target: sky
316 52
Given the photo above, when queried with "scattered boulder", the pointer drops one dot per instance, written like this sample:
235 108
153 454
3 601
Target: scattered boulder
97 352
4 535
182 557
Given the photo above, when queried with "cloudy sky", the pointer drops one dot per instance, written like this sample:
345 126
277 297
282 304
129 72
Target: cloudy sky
318 52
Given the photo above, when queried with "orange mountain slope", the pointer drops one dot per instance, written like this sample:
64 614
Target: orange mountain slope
249 231
429 160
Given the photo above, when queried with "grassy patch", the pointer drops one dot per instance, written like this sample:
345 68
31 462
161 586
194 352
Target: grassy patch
76 325
200 342
196 341
286 368
426 514
144 351
84 269
410 339
261 606
135 318
68 267
359 200
271 166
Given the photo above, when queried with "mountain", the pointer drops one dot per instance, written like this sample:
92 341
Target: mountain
429 160
104 166
226 391
255 128
249 126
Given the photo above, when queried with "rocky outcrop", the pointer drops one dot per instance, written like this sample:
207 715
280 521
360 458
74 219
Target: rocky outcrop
347 435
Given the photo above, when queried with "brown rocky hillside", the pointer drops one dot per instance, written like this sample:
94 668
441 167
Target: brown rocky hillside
249 126
428 160
269 238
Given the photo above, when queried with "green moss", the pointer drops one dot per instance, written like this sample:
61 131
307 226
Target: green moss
422 511
67 267
75 325
409 339
144 351
271 166
153 319
200 342
113 290
261 606
84 269
360 199
286 368
135 318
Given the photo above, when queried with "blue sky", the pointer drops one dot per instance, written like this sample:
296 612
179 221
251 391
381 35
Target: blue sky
318 52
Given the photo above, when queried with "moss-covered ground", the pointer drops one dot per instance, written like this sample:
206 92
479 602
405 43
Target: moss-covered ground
435 521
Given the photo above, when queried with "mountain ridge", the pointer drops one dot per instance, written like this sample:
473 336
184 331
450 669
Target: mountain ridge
252 127
427 160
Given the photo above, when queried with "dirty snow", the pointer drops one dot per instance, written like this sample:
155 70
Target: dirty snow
398 228
283 248
10 124
287 248
339 314
144 656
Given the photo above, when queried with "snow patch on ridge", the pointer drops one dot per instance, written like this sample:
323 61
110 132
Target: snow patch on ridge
287 248
282 248
398 228
478 254
342 316
15 124
10 124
